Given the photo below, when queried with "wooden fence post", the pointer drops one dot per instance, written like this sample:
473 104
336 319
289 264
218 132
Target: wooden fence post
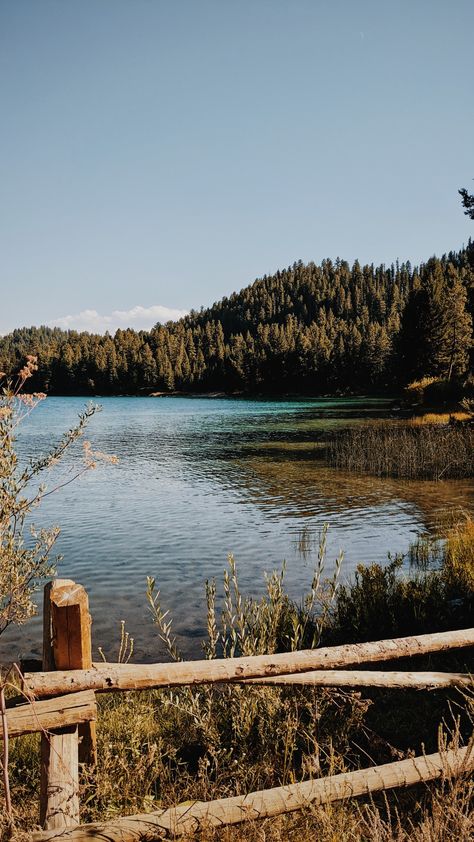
66 645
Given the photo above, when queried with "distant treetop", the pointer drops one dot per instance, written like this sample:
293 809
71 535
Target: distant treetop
468 202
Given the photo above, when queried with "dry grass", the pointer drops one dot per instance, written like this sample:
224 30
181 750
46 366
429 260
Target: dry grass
460 554
159 748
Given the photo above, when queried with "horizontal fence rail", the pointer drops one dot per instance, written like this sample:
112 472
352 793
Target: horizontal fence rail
72 709
61 704
368 678
187 818
108 677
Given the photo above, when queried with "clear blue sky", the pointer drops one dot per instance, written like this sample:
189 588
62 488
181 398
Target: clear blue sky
167 152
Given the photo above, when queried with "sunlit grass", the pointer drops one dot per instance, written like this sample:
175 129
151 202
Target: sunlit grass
438 418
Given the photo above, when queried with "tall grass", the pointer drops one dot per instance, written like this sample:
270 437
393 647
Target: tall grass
400 449
436 594
158 748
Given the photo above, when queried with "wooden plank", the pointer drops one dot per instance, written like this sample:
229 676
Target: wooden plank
369 678
65 643
72 648
189 818
51 713
107 677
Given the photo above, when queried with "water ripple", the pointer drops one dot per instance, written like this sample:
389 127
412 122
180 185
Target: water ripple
198 479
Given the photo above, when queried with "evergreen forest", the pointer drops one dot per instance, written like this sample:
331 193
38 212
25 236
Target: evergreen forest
308 329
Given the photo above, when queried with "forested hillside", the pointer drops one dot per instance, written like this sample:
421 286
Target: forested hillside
308 329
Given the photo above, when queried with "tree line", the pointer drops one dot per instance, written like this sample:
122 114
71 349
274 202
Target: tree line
310 329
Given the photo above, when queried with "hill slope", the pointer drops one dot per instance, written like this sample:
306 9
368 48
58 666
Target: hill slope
309 329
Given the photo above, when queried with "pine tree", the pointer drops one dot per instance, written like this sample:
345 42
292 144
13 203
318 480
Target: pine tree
459 327
423 333
468 202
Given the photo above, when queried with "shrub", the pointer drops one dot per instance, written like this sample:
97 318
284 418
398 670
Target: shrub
415 391
436 595
434 391
443 392
25 558
25 562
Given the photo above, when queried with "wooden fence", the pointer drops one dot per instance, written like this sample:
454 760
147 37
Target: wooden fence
60 703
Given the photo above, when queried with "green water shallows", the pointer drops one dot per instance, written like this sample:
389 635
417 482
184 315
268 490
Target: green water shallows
197 479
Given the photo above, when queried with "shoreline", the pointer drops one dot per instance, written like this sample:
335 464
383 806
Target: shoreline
219 395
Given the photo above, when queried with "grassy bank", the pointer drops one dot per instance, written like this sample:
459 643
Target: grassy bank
160 748
405 449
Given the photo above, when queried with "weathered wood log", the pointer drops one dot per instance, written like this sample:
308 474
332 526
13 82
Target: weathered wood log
369 678
66 644
59 712
188 818
106 677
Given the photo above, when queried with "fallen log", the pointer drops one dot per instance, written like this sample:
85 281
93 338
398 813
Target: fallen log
107 677
59 712
189 818
369 678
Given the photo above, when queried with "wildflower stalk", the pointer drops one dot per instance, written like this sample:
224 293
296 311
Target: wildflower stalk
210 647
159 619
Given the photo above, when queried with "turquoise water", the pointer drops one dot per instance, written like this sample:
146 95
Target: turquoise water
197 479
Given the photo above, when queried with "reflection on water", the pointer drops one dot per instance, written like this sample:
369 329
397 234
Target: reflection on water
200 478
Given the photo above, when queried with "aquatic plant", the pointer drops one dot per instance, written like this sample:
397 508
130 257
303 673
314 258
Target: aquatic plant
400 449
250 626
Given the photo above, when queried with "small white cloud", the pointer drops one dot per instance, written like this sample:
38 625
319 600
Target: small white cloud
138 318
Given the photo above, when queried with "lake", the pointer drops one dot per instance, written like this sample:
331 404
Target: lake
199 478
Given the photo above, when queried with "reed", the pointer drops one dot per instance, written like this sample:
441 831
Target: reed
405 450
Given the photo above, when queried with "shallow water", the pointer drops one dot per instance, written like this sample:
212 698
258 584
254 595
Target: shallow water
197 479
